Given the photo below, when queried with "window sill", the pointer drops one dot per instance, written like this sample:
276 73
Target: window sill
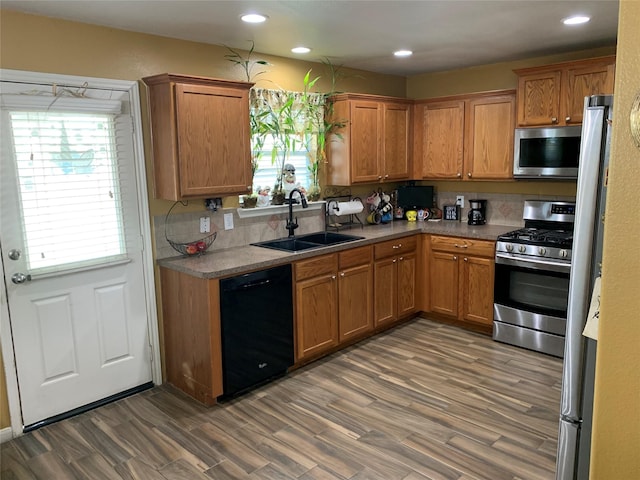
276 209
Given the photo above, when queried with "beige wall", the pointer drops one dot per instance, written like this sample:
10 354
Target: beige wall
497 76
616 429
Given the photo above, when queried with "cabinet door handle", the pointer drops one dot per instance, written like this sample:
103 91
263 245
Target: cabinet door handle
466 259
459 175
248 187
394 260
469 174
386 176
333 277
379 177
401 258
342 274
460 246
568 119
554 119
455 258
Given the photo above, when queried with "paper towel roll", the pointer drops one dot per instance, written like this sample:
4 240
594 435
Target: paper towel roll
347 208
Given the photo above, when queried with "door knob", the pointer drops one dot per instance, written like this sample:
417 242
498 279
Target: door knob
19 278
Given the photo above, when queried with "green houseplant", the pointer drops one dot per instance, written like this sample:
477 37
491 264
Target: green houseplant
289 118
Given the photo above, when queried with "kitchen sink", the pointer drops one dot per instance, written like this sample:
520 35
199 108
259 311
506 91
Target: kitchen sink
308 241
328 238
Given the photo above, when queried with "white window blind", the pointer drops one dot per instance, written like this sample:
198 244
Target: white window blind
267 171
68 181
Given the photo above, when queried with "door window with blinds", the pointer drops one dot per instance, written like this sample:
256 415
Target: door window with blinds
67 172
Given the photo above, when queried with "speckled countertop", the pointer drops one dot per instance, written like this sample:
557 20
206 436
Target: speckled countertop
222 263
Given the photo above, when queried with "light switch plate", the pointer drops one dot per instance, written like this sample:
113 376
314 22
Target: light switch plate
228 221
460 200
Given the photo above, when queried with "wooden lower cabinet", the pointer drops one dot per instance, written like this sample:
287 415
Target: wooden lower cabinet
444 270
192 343
355 301
316 303
394 280
461 274
476 278
334 298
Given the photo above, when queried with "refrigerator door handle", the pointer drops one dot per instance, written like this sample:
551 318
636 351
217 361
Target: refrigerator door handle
567 450
580 278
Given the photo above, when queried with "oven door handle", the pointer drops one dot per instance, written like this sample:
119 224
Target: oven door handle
547 265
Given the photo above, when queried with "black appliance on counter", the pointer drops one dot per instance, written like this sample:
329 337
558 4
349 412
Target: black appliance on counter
531 291
256 328
478 213
412 197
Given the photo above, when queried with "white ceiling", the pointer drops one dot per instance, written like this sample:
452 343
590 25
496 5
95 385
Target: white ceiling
362 34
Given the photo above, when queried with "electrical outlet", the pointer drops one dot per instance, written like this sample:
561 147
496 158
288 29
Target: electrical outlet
460 200
228 221
205 224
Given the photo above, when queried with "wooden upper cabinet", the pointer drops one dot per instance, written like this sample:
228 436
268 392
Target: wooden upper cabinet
466 137
366 141
539 98
397 146
443 139
553 95
375 143
488 151
200 135
583 81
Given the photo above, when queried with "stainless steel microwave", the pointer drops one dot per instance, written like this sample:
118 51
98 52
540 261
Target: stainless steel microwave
549 152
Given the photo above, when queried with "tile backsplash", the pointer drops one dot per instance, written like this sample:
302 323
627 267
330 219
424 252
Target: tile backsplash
502 209
185 227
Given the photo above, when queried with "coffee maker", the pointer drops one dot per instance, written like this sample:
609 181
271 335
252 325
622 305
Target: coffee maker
478 212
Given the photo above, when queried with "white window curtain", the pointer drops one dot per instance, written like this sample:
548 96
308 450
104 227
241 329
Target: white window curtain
283 116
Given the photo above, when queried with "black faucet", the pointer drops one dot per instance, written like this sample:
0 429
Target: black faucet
291 225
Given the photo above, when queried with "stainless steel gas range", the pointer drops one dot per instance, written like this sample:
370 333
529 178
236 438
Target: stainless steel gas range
531 288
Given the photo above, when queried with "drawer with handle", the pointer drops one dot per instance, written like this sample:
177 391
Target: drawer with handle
468 246
395 247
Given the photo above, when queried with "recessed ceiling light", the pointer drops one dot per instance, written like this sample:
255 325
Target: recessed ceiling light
300 50
253 18
403 53
576 20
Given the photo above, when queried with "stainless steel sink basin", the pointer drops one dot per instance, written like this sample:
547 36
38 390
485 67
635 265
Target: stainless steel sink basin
308 241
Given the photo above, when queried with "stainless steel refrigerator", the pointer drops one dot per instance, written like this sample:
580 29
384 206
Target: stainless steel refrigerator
574 439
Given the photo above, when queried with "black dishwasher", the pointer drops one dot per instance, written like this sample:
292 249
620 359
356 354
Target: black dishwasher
257 328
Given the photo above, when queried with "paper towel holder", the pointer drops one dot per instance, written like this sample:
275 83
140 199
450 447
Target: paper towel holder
334 222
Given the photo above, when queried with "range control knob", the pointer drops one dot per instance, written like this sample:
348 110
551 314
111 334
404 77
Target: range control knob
522 249
564 253
542 251
509 247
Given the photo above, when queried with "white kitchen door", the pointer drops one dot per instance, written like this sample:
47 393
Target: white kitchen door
71 241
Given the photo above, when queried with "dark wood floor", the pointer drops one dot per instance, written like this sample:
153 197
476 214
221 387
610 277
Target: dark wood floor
423 401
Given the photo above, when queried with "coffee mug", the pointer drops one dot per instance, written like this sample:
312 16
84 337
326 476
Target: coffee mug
374 218
412 215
